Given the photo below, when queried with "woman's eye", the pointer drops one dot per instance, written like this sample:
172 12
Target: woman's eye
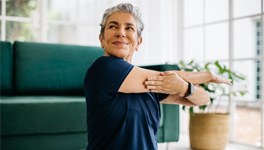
130 28
112 27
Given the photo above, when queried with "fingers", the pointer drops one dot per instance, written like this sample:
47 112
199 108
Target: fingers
155 78
224 81
161 77
158 89
219 79
167 73
152 88
153 83
163 83
227 81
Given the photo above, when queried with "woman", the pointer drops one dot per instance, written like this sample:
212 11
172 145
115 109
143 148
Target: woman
122 99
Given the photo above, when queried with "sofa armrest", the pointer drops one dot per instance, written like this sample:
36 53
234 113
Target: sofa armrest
171 125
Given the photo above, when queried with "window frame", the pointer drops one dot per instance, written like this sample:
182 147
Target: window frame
231 59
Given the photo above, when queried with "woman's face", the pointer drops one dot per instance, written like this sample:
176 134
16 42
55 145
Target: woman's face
120 38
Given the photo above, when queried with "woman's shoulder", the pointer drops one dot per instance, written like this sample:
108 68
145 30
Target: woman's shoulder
109 61
109 58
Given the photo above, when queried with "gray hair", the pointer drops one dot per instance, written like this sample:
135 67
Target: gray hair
124 8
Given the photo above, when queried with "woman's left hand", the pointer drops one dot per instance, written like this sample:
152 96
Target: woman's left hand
168 82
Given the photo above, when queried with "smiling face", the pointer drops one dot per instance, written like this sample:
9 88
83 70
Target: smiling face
120 38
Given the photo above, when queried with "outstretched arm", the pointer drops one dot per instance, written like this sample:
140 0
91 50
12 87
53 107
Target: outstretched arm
200 77
167 82
171 83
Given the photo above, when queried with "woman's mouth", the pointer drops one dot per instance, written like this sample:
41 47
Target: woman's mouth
119 43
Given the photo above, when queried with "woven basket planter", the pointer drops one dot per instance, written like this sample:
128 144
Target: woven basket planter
209 131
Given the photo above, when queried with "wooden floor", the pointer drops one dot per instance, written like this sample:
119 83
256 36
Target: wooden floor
183 144
249 132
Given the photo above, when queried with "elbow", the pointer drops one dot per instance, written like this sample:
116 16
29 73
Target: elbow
205 99
201 97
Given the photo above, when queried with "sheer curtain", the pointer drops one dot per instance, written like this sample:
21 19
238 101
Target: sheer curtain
77 22
83 18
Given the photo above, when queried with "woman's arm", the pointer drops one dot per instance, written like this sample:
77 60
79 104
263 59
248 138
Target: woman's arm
195 77
136 82
199 97
168 83
201 77
176 99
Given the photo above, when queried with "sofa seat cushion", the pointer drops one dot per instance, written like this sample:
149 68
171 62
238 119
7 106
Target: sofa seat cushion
70 141
42 114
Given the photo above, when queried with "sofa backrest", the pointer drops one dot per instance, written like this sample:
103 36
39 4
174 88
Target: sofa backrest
6 68
51 69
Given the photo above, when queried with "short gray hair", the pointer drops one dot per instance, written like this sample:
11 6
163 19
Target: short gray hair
124 8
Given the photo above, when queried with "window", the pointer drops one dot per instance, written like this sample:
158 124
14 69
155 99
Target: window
231 31
259 51
77 22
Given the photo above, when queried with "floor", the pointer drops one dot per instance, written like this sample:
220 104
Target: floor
247 130
183 144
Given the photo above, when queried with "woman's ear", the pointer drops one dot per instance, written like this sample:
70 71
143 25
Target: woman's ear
138 43
101 40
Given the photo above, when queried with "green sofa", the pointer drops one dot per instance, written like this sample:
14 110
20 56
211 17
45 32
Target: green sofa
42 101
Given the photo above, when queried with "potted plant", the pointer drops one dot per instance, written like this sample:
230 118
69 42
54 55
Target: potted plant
208 128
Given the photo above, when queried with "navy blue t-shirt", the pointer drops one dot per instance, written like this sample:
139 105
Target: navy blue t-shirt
119 121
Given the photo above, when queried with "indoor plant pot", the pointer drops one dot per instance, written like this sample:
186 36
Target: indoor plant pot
209 129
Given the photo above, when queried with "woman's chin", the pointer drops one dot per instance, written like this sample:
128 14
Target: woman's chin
121 55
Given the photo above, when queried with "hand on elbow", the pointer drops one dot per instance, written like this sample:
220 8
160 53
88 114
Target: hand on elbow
167 82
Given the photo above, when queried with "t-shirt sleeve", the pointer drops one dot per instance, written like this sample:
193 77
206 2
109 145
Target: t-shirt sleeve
110 72
162 96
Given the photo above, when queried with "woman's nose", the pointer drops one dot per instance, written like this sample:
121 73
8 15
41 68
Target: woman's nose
120 33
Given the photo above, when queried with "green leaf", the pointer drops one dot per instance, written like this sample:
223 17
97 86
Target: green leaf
206 66
188 69
242 93
215 90
203 107
191 110
212 100
237 76
206 87
191 62
218 66
183 108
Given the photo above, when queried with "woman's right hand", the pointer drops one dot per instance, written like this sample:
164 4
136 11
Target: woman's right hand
218 79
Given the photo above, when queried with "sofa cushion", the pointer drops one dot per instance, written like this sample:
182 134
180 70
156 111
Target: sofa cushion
6 65
52 69
67 141
42 114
